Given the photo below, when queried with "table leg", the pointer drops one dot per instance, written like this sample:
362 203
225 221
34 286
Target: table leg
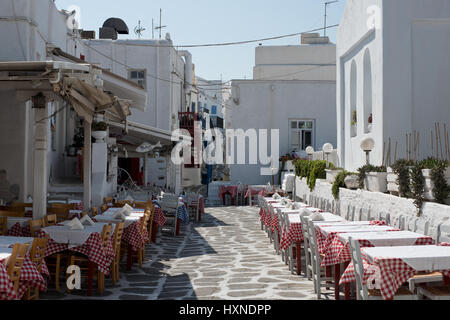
337 277
90 277
154 232
328 273
178 227
347 285
299 258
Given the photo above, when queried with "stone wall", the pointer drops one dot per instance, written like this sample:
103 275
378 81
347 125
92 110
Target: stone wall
376 202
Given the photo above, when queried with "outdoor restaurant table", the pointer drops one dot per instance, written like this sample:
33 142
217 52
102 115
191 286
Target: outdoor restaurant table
255 190
18 227
29 276
232 190
389 267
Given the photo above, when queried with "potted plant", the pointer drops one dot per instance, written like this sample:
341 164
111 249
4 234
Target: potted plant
373 178
99 131
437 180
398 178
354 123
332 173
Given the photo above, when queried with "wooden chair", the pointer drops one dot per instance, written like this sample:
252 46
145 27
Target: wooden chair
15 263
108 200
20 206
35 226
3 226
434 293
83 262
147 216
37 254
50 220
94 211
62 213
361 290
103 208
71 206
143 205
121 203
12 214
117 240
320 279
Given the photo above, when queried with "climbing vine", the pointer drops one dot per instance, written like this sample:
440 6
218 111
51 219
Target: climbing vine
339 182
441 189
401 169
418 187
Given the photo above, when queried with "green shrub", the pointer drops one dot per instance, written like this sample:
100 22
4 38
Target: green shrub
418 187
441 189
401 169
311 170
339 182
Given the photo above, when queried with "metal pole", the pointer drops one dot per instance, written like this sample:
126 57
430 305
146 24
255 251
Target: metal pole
160 22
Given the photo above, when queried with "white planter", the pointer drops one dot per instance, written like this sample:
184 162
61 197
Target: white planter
352 182
429 185
332 174
392 181
99 136
376 182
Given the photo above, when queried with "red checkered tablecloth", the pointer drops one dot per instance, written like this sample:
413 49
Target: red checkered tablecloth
159 217
294 234
339 252
132 235
254 192
29 277
92 248
233 190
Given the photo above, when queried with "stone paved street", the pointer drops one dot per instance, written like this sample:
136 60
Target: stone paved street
226 256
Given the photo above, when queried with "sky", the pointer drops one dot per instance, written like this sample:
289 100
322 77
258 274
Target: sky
214 21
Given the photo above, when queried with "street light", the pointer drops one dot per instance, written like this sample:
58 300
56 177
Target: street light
310 152
367 145
327 149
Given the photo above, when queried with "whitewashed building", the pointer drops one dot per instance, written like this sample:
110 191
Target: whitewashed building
293 90
392 63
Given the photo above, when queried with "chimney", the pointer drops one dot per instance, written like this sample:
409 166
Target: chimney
87 35
112 27
314 38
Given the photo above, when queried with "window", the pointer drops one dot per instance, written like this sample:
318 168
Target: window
214 110
301 134
139 76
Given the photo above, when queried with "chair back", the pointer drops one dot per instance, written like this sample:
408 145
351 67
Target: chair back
444 233
94 211
169 204
103 208
386 217
124 202
422 226
358 214
3 226
15 263
365 215
68 207
108 200
118 233
12 214
35 226
50 220
361 289
37 252
350 213
106 235
62 213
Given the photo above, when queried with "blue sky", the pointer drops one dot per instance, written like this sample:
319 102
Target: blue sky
213 21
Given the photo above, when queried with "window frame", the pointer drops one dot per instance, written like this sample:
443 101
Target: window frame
300 129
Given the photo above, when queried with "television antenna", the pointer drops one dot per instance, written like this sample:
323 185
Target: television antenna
160 27
325 24
139 30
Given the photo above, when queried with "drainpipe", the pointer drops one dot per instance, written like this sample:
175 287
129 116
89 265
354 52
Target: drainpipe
187 75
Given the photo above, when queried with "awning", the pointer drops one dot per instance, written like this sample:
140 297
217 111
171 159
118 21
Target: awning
76 82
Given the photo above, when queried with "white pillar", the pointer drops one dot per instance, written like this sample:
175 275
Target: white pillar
145 173
40 162
87 166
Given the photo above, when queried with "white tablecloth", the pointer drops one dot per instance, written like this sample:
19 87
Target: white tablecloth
355 228
5 253
420 258
6 242
129 220
74 238
384 238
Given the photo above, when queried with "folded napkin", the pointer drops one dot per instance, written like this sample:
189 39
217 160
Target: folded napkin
127 210
285 202
75 224
305 213
87 221
276 196
317 217
119 215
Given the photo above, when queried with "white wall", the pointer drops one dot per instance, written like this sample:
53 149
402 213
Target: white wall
410 70
270 105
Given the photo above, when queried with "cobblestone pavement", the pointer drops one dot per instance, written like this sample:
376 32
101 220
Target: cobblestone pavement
226 256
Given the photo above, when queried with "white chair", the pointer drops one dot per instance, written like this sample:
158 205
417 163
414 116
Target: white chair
422 226
444 232
350 213
318 273
193 202
170 205
365 215
307 248
386 217
398 222
357 215
362 292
